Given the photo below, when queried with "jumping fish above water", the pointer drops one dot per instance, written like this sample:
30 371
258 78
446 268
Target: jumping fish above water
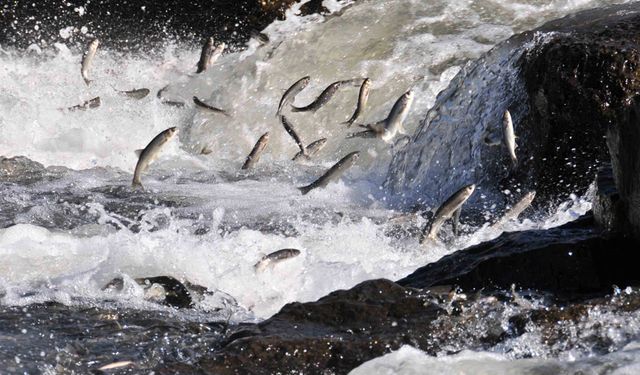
509 138
87 59
516 209
363 96
323 98
91 103
135 93
445 211
275 257
172 103
393 124
209 55
292 91
312 149
292 132
199 103
333 173
150 153
256 152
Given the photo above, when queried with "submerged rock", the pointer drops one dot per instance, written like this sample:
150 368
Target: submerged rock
564 84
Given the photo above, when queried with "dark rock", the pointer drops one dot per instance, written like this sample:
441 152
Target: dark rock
568 260
607 209
22 170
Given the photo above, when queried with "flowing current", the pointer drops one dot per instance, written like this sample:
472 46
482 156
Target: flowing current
76 225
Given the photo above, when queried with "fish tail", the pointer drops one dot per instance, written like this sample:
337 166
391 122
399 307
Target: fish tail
296 109
305 189
136 183
87 81
348 123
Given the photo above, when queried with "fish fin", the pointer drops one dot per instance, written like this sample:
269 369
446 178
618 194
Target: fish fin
87 81
137 184
348 123
205 151
378 127
491 142
138 152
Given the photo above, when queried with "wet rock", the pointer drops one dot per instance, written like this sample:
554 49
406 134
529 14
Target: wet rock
20 169
565 84
569 260
607 208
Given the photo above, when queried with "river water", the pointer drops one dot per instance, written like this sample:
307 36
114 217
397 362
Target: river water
69 229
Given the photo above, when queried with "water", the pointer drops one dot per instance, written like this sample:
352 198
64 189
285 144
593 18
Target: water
77 224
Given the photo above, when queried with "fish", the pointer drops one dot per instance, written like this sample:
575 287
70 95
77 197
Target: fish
392 125
291 131
87 59
113 365
135 93
517 209
262 38
363 96
333 173
445 211
312 149
150 153
91 103
291 92
199 103
172 103
256 152
205 55
275 257
323 98
509 138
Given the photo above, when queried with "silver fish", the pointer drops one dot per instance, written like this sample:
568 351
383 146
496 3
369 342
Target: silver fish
516 209
115 365
161 91
292 91
256 152
91 103
445 211
393 124
172 103
150 153
275 257
135 93
199 103
205 55
323 98
362 101
509 138
292 132
312 149
87 59
333 173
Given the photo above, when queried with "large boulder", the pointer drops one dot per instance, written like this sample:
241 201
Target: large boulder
564 83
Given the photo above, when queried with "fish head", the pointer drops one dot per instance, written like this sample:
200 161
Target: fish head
94 44
468 190
407 97
210 42
355 155
170 133
221 47
305 80
366 83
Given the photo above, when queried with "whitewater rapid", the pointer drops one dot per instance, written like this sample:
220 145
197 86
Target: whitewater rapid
203 220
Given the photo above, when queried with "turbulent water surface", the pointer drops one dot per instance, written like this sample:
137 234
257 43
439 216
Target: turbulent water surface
73 223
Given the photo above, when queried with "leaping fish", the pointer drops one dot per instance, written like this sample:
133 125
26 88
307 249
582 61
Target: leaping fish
275 257
205 54
150 153
292 91
393 124
363 96
323 98
256 152
333 173
91 103
135 93
87 59
291 131
312 149
516 209
199 103
445 211
172 103
509 138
